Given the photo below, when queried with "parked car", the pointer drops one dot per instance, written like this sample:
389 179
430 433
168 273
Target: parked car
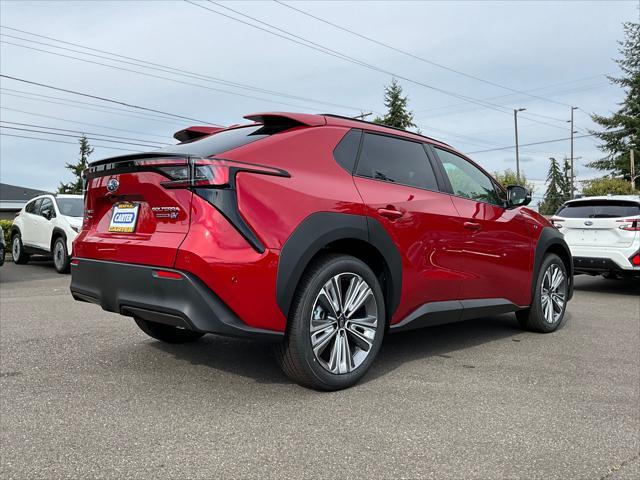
316 232
47 225
603 234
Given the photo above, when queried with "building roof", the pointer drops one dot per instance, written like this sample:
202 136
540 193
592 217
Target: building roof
16 194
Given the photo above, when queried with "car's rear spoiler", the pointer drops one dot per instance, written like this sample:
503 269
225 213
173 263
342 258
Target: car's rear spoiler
195 132
285 118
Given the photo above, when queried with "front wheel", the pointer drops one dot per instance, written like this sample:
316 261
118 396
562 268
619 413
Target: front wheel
547 312
336 324
17 250
61 259
167 333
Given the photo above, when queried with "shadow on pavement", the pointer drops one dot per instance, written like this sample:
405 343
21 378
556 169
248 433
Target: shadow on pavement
256 360
618 286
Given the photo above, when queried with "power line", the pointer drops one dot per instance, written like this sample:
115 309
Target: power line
68 143
82 132
146 74
66 102
178 71
335 53
532 143
81 123
104 99
422 59
79 136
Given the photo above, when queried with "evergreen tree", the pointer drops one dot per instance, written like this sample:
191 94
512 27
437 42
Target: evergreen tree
554 196
75 186
398 115
622 129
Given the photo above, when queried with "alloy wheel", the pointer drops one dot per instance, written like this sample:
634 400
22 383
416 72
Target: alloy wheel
344 323
15 248
58 255
553 294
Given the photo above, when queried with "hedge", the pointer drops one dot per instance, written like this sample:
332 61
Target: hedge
6 228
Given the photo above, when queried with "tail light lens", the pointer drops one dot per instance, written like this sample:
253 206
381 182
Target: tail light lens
557 222
635 260
630 224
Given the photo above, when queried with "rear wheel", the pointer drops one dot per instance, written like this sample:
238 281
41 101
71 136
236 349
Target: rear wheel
547 312
17 250
336 324
61 259
167 333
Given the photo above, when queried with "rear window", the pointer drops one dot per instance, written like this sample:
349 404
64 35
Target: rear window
599 209
72 207
222 141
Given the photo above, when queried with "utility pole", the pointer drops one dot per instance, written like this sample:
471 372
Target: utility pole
571 159
515 121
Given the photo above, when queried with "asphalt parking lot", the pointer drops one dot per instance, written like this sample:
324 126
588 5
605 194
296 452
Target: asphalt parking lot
85 394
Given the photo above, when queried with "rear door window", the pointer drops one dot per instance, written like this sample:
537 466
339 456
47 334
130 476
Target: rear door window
395 160
599 209
46 208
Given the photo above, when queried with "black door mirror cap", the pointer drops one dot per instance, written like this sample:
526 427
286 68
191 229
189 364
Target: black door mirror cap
518 196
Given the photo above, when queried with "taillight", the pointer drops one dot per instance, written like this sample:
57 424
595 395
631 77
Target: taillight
557 222
630 224
635 260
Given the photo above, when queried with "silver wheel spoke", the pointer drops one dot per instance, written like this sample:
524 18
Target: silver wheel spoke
358 296
321 338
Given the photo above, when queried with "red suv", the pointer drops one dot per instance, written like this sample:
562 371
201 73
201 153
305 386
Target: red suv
317 232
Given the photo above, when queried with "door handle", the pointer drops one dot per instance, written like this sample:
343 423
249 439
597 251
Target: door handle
390 213
472 226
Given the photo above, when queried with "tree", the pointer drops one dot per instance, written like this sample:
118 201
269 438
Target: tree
398 115
622 129
606 186
508 177
75 186
556 194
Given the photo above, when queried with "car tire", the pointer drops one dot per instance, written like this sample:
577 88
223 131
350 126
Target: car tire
18 254
327 349
551 291
167 333
61 258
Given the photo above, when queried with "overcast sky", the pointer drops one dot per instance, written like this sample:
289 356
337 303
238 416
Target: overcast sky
557 51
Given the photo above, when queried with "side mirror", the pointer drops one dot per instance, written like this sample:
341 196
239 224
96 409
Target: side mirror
518 196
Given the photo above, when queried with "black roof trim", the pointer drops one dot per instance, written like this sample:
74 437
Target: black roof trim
333 115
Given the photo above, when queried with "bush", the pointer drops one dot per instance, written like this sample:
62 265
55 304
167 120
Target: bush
6 228
606 186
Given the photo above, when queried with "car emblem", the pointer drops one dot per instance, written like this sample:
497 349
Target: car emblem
112 185
588 223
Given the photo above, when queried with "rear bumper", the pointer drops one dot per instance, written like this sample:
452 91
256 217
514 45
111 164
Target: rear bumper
137 290
587 259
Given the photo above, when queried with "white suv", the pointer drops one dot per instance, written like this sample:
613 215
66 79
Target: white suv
47 225
603 234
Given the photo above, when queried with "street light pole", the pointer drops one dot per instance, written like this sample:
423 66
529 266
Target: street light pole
515 121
